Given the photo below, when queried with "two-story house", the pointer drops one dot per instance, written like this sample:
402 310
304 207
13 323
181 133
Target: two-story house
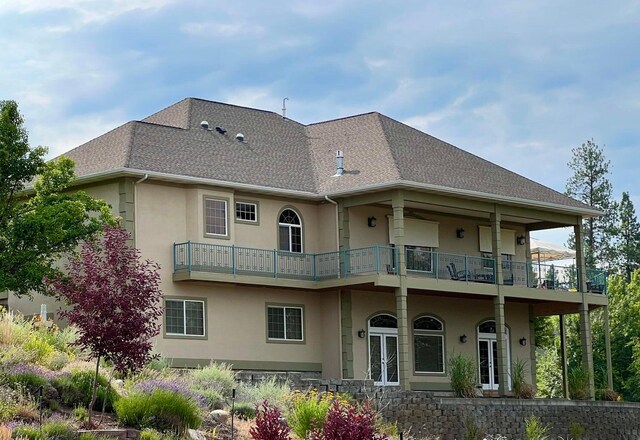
353 248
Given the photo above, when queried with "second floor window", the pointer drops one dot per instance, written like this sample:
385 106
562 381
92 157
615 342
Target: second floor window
289 231
215 217
247 212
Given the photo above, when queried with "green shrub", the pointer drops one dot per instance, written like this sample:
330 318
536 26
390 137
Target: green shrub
608 395
579 383
76 388
245 410
462 371
80 414
39 347
269 390
162 410
216 377
308 412
535 430
49 431
150 434
472 430
576 431
58 360
8 407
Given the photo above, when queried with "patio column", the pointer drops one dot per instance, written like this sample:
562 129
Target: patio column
580 263
401 291
563 357
607 347
346 333
501 342
496 244
585 342
343 235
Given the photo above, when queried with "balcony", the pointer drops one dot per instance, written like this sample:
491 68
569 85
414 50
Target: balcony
370 261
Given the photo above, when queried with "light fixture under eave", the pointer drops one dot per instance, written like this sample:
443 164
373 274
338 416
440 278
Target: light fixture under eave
463 339
523 341
521 240
362 333
460 233
372 222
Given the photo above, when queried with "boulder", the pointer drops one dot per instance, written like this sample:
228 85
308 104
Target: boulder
194 434
220 415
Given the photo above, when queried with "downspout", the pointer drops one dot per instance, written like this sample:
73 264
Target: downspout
339 290
135 208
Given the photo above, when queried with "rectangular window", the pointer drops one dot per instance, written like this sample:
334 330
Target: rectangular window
215 217
184 317
284 323
429 353
247 212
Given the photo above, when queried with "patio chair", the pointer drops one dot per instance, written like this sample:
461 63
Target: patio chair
456 274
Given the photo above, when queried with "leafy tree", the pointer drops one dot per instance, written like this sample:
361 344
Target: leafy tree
37 229
114 300
590 185
627 231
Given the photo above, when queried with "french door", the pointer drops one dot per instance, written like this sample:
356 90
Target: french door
488 358
383 357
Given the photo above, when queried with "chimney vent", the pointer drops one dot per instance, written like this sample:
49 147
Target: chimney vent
240 137
340 163
204 125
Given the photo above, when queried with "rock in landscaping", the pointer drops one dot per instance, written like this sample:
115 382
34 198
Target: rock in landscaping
220 415
194 434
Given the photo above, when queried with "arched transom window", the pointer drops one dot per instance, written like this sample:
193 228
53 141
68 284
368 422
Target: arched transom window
289 231
428 345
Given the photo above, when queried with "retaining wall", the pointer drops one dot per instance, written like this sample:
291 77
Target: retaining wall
419 413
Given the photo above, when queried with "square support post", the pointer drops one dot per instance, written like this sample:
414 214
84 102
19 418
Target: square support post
346 328
580 262
501 340
343 237
563 357
607 346
496 244
587 349
401 291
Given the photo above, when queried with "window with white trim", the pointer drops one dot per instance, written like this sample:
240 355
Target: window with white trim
184 317
289 231
428 345
215 217
247 212
285 323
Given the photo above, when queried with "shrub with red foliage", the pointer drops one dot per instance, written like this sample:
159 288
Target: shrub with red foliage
269 424
349 422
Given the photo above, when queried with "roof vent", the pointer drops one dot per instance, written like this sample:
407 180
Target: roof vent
221 130
240 137
340 163
205 125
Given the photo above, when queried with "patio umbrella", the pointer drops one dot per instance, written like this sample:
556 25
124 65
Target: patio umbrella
547 251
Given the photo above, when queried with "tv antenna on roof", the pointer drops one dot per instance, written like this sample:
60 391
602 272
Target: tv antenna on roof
284 108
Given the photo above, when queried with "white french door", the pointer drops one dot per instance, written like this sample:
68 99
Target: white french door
488 356
383 356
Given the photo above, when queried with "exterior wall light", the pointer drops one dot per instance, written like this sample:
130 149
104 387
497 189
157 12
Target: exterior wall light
372 222
460 233
362 333
521 240
523 341
463 339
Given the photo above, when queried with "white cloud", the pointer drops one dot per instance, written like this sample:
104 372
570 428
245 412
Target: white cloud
218 29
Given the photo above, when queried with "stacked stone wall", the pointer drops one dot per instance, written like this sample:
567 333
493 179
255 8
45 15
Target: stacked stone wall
423 414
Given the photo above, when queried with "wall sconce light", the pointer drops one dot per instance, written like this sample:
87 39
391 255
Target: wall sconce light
460 233
362 333
521 240
371 222
523 341
463 339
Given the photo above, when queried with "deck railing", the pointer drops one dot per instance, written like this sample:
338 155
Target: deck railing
204 257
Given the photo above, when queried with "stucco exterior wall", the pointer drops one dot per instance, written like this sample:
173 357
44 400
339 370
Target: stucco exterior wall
460 316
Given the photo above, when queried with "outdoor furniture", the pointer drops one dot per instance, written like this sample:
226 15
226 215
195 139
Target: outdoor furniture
459 275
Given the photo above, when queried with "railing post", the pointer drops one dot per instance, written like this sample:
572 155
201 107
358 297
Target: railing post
275 263
377 258
495 270
233 259
189 256
174 257
345 264
314 267
434 263
466 270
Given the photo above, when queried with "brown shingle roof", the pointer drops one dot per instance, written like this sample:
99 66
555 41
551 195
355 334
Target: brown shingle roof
283 154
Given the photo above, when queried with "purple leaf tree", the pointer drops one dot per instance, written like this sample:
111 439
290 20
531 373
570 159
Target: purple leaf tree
114 300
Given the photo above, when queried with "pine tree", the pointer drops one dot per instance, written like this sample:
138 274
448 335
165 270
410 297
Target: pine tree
590 184
627 231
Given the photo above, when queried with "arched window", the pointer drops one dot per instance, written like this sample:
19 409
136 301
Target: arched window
428 345
383 321
487 327
290 231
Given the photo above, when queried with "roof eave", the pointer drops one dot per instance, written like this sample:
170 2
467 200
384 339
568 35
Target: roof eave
478 195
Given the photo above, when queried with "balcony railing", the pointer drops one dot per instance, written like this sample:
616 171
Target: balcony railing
468 268
237 260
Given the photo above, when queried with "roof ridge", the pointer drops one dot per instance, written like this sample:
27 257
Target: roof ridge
130 143
343 118
240 106
386 140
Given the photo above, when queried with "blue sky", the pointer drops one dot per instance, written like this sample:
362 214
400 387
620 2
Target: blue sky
518 83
